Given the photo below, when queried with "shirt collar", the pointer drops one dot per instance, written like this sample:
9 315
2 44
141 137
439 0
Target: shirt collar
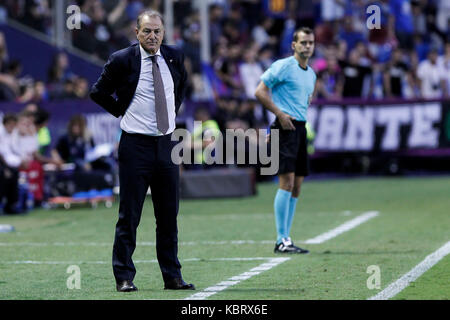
145 54
304 69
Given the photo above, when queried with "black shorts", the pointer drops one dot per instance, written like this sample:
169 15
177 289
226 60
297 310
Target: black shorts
293 149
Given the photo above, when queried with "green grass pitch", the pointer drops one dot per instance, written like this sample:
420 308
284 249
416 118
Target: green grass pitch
413 222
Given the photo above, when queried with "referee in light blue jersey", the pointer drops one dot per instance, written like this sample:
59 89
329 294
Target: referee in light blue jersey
292 83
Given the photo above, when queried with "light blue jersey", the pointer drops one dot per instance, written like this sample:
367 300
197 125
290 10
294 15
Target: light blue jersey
292 86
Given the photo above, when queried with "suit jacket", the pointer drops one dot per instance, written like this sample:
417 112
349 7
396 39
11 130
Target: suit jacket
121 75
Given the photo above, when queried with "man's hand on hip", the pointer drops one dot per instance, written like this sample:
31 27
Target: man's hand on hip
286 121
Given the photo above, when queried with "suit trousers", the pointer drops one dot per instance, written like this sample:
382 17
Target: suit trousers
146 161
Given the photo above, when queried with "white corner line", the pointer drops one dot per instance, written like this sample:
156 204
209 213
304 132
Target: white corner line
343 228
207 292
394 288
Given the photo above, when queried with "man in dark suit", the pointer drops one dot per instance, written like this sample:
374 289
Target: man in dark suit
149 80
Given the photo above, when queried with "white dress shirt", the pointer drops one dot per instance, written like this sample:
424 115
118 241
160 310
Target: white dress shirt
16 148
140 116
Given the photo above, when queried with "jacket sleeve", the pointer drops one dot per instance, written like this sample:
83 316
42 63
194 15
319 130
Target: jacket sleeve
106 85
181 90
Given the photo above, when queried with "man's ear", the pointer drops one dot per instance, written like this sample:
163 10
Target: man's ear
137 31
293 45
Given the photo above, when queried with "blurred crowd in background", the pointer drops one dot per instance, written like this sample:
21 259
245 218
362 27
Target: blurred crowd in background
408 57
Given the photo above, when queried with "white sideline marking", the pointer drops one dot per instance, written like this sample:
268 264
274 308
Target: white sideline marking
144 243
236 279
136 261
343 228
316 240
397 286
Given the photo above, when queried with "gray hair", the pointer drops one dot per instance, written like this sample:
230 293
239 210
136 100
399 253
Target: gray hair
150 13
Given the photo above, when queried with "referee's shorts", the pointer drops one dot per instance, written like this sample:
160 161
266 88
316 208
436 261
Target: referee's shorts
293 148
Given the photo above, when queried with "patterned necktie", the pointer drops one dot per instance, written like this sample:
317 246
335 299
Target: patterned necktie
162 119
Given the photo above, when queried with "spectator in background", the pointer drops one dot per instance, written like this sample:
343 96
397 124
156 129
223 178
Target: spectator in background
332 10
12 87
182 9
418 17
325 33
80 87
431 77
26 144
395 72
59 69
227 70
120 11
226 109
25 141
236 19
366 58
9 164
356 9
40 92
380 37
41 118
126 35
444 65
231 33
4 57
354 75
250 71
58 76
37 15
411 87
286 35
9 82
191 46
72 147
442 21
203 136
26 89
303 11
330 80
261 33
95 35
266 57
401 20
246 112
37 132
215 24
331 14
341 50
421 47
349 35
66 90
31 91
31 108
